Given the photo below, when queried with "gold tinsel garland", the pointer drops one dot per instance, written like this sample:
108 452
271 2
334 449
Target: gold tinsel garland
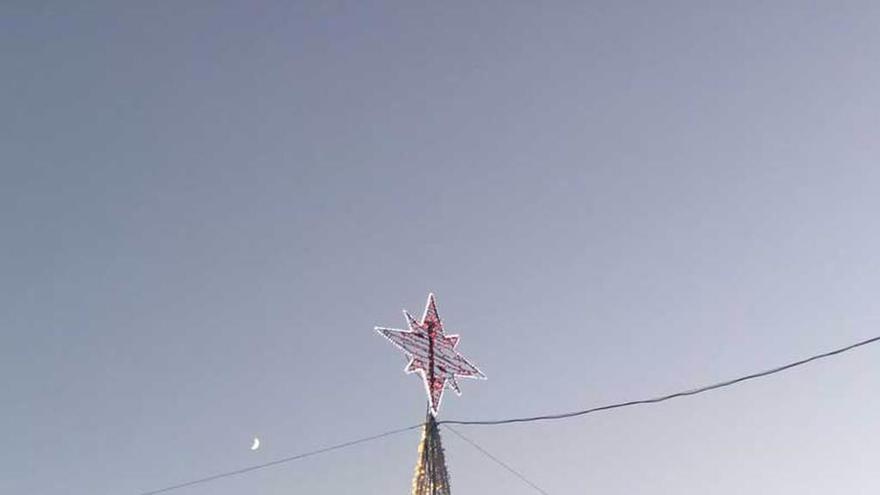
431 477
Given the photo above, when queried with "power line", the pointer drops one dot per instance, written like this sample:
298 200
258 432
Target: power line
676 395
498 461
283 460
547 417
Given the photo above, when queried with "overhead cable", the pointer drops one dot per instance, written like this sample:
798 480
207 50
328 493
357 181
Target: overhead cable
527 419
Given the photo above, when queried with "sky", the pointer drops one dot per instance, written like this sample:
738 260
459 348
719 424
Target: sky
206 207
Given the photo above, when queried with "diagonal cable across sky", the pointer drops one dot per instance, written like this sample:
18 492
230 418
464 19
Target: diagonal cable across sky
527 419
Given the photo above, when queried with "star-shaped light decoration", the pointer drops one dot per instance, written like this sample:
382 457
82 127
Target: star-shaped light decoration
431 353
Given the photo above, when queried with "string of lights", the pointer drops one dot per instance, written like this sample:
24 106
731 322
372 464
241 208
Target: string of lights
527 419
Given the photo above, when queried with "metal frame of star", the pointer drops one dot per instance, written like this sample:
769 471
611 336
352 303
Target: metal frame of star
449 381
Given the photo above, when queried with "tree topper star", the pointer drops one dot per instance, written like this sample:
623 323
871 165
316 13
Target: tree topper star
431 353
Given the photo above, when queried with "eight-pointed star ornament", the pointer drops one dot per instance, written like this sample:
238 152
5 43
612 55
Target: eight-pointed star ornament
431 353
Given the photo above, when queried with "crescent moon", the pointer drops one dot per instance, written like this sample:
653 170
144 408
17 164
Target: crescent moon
256 444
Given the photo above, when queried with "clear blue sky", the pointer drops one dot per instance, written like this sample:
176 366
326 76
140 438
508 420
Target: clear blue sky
207 206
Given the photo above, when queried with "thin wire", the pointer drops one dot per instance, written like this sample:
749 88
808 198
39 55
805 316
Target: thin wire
676 395
284 460
446 423
497 461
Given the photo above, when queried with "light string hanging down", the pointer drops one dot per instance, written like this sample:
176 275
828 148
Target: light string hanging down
431 476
